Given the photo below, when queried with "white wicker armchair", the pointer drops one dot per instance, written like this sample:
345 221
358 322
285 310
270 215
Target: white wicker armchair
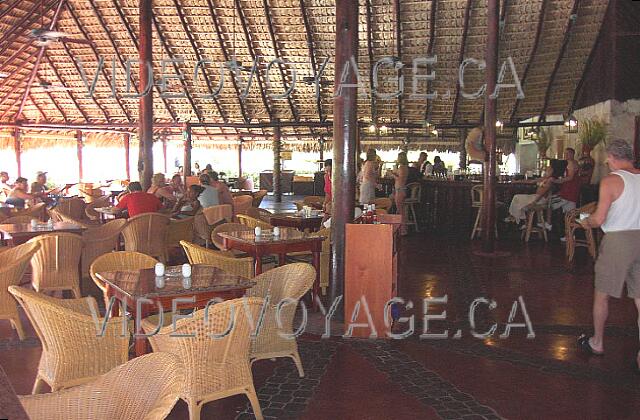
72 350
156 379
215 367
285 286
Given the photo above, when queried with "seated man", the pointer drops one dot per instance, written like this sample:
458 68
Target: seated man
18 196
210 196
138 202
223 191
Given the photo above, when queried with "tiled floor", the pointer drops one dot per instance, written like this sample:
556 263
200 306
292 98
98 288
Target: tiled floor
515 377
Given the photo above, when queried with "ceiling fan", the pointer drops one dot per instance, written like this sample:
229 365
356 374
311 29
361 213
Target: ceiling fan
44 37
49 87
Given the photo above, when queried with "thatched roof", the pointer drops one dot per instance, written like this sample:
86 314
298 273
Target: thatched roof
549 41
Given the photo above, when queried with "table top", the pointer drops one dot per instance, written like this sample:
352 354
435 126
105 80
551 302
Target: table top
107 210
287 236
26 229
136 284
296 216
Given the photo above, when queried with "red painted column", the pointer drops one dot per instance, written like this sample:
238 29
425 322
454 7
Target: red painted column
17 147
79 145
186 169
490 109
345 132
127 155
145 129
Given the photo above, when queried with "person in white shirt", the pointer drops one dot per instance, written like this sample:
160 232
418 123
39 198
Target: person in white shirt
618 214
5 186
210 196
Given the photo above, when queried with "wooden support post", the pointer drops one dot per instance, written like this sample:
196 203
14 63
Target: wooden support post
636 143
277 173
321 144
240 158
164 154
79 145
186 168
17 147
463 151
145 130
127 155
345 132
490 109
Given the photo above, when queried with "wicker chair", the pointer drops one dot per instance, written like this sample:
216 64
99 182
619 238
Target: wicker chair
226 227
90 211
55 265
119 261
147 233
284 286
260 214
18 220
156 379
325 257
249 221
258 197
571 225
58 216
72 351
100 240
215 368
223 260
217 214
315 201
38 211
13 264
383 203
72 207
178 231
242 204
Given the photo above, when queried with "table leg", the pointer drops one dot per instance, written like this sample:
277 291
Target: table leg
282 259
316 284
258 264
141 343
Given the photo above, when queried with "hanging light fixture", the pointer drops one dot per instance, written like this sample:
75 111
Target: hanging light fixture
372 128
571 124
435 132
499 125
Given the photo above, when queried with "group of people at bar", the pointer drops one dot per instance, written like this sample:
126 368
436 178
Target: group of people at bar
18 194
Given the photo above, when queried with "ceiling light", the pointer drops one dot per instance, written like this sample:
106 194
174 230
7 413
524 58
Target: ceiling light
571 124
372 128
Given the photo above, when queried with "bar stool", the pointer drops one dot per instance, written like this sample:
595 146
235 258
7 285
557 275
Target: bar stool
476 203
537 214
415 193
571 225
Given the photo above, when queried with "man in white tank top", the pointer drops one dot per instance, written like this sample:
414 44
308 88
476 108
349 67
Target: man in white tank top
618 264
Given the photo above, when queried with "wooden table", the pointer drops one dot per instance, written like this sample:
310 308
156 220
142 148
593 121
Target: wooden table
290 240
108 213
312 224
16 234
207 283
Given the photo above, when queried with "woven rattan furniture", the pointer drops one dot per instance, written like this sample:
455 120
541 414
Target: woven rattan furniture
410 203
73 351
206 283
383 203
215 367
260 214
304 224
283 286
72 207
572 226
179 230
147 233
226 227
476 203
13 264
536 222
258 197
249 221
16 234
156 378
241 204
315 201
100 240
217 214
118 261
38 211
55 265
17 220
59 216
90 211
225 261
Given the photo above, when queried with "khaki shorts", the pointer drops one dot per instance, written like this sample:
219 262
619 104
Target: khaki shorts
619 263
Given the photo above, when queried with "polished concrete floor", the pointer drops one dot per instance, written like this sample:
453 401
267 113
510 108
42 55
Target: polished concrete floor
515 377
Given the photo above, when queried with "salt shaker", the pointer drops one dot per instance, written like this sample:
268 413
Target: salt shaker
258 231
50 224
159 269
186 270
186 282
160 282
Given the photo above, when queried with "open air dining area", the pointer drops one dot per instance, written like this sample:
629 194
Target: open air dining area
319 209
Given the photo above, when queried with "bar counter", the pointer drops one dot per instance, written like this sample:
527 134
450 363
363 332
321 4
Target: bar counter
446 205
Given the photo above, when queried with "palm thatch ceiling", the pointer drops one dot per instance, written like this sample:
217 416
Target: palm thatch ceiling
548 40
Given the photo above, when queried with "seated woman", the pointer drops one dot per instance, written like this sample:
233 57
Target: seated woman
523 202
176 185
18 196
161 190
188 205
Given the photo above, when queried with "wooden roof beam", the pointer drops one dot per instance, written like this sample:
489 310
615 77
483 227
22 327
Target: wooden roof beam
163 42
134 40
9 9
104 71
15 55
397 17
565 42
532 56
40 110
433 16
187 31
73 99
23 24
247 35
463 47
22 82
274 43
55 103
369 18
6 80
312 54
216 25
